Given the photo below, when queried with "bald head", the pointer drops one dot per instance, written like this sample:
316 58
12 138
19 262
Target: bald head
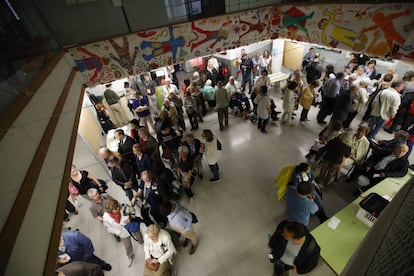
401 150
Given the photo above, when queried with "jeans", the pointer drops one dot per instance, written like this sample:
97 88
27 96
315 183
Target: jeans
247 78
280 268
375 124
214 170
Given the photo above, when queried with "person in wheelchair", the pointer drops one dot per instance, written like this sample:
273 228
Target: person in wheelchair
237 98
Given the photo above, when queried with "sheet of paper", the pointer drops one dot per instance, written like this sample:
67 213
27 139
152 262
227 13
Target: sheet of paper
333 222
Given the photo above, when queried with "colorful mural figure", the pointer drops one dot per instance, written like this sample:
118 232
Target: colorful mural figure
93 62
258 27
294 19
377 48
391 33
339 34
164 47
215 36
386 24
124 58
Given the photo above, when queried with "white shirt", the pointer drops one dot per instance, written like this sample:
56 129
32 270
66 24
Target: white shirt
263 106
167 89
163 249
233 88
115 228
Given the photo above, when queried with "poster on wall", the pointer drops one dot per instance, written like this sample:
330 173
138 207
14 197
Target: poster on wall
381 30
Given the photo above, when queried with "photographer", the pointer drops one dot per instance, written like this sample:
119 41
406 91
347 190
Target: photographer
292 247
122 225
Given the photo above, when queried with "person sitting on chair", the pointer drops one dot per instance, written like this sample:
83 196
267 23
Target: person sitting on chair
378 168
385 147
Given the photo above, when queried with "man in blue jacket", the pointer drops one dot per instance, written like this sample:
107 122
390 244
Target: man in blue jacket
75 246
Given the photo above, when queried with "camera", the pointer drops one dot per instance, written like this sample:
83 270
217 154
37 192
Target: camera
128 210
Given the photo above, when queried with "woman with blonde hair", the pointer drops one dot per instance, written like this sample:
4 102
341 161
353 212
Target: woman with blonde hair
116 223
159 251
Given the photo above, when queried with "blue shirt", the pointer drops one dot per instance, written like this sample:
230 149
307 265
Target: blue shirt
78 246
298 208
141 102
180 218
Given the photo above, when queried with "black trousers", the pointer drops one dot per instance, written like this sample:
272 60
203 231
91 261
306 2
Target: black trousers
326 108
261 123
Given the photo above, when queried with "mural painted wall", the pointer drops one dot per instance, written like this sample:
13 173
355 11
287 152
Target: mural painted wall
379 30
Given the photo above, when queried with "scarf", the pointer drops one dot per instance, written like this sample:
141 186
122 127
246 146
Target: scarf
116 216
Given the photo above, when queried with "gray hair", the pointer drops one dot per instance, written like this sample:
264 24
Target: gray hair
92 191
183 149
346 138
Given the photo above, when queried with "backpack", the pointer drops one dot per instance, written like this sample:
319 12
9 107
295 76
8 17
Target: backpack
283 179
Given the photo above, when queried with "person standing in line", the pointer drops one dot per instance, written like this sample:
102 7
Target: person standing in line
263 80
190 105
125 144
142 108
180 220
288 103
263 108
313 70
331 90
123 174
211 154
185 170
306 100
150 91
158 249
384 107
194 147
115 222
246 67
113 101
308 58
222 99
265 62
169 87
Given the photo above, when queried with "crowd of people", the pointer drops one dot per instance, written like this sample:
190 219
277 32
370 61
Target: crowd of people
359 88
158 154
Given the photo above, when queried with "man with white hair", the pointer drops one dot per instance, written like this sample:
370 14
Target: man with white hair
377 168
169 87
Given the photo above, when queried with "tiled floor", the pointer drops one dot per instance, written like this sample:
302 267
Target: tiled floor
235 216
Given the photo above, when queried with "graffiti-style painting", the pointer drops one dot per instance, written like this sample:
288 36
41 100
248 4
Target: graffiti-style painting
378 30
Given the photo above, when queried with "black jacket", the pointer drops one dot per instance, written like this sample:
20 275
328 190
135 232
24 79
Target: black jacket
308 256
126 150
396 168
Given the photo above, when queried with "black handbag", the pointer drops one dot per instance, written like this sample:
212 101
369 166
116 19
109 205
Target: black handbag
194 218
